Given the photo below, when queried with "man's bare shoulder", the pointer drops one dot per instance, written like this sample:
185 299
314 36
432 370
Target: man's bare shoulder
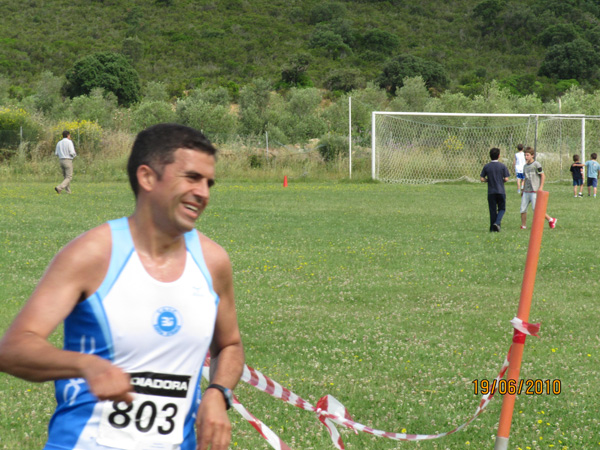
86 258
214 255
95 242
218 264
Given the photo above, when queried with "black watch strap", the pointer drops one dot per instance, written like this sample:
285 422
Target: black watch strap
227 394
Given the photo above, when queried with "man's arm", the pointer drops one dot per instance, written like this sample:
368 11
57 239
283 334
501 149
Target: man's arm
227 354
542 179
483 180
72 149
25 351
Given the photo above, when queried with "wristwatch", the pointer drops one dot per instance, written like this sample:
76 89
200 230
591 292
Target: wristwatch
227 395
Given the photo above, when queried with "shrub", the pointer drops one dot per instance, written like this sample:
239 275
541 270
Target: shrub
331 146
214 96
156 91
215 121
99 106
150 113
256 161
17 125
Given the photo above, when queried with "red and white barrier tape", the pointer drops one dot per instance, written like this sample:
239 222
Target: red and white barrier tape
330 411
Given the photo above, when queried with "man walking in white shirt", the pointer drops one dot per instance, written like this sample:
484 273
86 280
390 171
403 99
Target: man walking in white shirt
65 150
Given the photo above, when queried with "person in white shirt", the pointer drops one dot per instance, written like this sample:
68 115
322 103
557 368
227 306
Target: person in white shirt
519 165
65 150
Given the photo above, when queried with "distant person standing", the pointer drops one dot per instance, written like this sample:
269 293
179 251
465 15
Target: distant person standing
495 174
534 181
591 168
577 172
65 150
519 165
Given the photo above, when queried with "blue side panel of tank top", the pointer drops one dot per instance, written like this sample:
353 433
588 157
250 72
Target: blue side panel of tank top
87 330
192 242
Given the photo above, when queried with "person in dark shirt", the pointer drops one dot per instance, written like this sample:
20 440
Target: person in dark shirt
495 174
577 172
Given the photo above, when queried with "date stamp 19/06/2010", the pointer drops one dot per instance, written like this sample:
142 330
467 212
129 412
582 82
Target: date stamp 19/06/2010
517 387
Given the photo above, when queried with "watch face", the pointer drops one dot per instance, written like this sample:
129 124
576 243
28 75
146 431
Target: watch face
227 394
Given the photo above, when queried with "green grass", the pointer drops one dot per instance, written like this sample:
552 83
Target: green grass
391 298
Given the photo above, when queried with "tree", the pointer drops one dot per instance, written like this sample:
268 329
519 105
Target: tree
576 59
333 44
325 12
398 68
380 40
345 80
558 34
133 48
488 11
294 72
254 102
107 70
47 93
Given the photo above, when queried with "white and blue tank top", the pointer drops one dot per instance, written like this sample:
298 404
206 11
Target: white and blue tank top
157 332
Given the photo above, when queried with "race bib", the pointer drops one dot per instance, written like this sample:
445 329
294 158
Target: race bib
155 419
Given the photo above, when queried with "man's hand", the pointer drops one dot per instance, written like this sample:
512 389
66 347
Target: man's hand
107 381
212 424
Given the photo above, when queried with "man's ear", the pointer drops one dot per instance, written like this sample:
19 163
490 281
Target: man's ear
147 177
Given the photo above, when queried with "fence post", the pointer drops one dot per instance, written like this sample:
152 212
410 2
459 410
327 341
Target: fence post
350 137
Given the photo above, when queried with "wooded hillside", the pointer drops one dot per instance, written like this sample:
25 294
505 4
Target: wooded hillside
528 45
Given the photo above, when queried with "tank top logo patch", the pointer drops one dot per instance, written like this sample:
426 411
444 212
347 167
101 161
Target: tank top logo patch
167 321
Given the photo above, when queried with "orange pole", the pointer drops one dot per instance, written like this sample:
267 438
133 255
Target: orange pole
516 353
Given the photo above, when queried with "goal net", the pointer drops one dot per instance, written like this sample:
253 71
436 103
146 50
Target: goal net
422 148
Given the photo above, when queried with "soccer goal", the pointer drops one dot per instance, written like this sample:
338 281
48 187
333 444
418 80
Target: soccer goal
423 148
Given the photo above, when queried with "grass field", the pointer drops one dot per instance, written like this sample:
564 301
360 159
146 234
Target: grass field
394 299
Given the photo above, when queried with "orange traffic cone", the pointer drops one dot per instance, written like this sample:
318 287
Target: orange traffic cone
285 181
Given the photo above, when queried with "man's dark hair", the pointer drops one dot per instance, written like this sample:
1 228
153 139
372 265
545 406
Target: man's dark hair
575 158
494 153
66 134
594 156
155 147
520 147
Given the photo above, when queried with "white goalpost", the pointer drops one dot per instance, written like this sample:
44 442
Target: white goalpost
423 148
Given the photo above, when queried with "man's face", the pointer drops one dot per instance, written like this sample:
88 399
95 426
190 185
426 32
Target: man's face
183 190
528 158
